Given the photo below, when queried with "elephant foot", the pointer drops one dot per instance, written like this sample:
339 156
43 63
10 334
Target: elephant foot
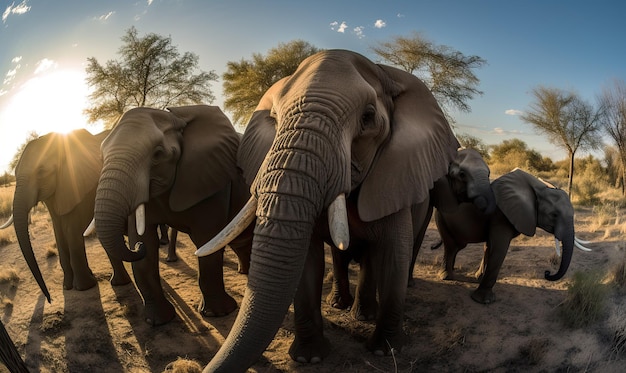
446 275
217 306
118 279
364 311
84 283
384 344
156 315
484 296
164 241
336 300
309 350
171 258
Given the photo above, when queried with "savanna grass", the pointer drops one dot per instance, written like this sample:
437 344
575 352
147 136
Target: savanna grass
585 300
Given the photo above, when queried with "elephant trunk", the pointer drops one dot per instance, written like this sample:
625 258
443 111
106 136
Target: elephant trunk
481 194
114 203
291 194
567 240
24 200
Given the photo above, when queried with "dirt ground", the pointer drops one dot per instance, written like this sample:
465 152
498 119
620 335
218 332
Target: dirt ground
102 330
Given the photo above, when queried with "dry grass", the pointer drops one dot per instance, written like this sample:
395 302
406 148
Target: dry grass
9 276
6 201
617 327
182 365
585 300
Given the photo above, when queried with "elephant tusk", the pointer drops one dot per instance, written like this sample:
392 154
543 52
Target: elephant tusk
140 219
580 246
557 246
90 228
338 222
7 223
232 230
581 241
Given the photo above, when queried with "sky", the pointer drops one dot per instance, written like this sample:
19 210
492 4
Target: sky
568 44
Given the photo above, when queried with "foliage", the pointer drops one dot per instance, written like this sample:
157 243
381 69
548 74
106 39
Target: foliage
591 181
472 142
6 179
586 296
246 81
32 135
151 72
614 167
6 202
447 72
515 153
569 122
613 121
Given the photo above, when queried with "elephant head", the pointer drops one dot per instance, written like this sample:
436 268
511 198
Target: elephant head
467 181
151 152
60 170
528 202
340 124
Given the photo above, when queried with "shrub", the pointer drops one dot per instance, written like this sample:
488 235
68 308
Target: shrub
586 296
183 366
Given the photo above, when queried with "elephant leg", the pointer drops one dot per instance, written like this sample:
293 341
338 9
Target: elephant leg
365 305
310 345
171 248
339 296
420 224
120 274
157 309
64 255
164 240
215 300
450 249
391 256
83 276
480 272
242 246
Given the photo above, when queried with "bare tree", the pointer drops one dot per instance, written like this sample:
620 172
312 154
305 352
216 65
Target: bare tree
613 100
151 72
447 72
568 121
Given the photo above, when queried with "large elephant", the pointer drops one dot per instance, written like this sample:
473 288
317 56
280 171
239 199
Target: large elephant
176 167
467 180
62 171
523 204
9 355
339 125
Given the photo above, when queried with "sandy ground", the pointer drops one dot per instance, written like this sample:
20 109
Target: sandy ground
101 329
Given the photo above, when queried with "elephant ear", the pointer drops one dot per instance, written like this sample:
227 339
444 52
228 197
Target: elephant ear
207 163
419 150
80 163
516 199
259 135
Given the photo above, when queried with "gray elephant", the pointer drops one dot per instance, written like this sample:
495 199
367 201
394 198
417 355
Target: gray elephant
9 355
467 180
340 125
62 170
175 167
523 204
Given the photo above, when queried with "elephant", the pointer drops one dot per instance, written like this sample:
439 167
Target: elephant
339 125
175 167
523 203
467 180
9 355
62 171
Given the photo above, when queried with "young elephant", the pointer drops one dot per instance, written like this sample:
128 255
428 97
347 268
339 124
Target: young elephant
523 203
467 181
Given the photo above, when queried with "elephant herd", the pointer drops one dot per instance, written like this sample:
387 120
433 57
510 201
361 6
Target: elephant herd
343 152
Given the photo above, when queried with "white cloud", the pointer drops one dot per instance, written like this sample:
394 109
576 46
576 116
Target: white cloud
380 23
16 59
105 17
339 27
150 2
400 15
11 75
513 112
359 32
15 9
44 65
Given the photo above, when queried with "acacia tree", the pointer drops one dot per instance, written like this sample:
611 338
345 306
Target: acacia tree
151 72
568 121
447 72
246 81
613 120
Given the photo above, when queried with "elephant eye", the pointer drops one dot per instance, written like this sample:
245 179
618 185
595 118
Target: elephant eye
158 155
368 118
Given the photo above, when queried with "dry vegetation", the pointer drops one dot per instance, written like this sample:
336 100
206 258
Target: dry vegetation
573 325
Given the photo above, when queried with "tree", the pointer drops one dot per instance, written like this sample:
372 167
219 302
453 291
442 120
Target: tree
613 120
446 71
513 153
151 72
568 121
473 142
32 135
246 81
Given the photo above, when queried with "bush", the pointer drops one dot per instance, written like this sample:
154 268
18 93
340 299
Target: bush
585 300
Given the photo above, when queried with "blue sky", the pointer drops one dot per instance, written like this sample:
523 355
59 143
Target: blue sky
573 45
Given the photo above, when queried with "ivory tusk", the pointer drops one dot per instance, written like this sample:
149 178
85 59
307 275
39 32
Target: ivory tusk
581 247
7 223
338 222
232 230
581 241
557 246
90 228
140 219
